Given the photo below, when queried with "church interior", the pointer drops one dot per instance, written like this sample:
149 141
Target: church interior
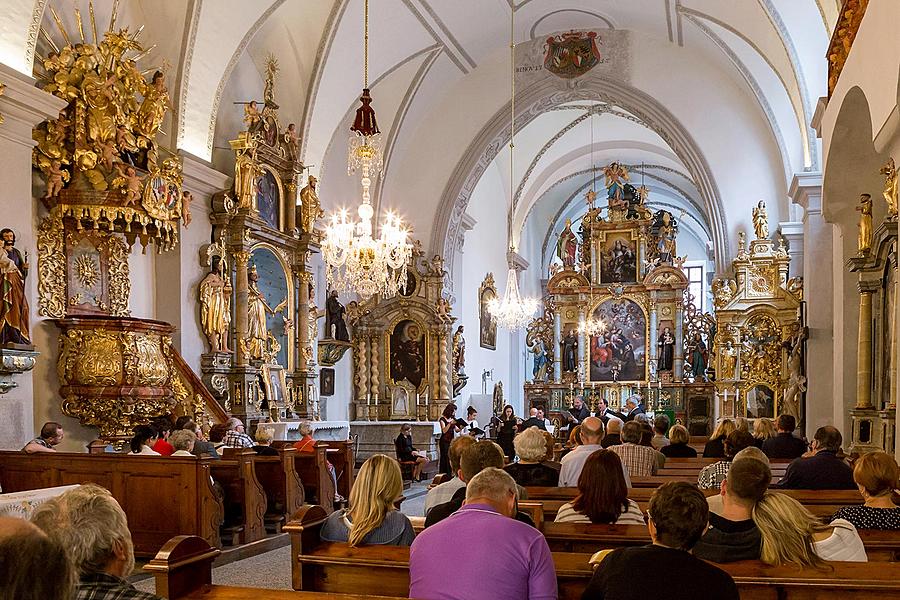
318 224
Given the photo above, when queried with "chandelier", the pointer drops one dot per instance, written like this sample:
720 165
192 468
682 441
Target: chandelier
356 260
512 312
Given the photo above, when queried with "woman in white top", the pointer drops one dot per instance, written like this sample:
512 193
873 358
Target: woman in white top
183 442
602 494
144 438
791 534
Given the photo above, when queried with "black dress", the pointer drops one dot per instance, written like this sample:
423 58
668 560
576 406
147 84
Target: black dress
681 450
714 448
444 447
404 447
505 435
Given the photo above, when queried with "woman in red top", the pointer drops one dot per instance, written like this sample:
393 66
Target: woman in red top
307 444
164 426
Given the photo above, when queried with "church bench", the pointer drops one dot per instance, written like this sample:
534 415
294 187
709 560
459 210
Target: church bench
245 498
161 496
312 469
278 477
340 454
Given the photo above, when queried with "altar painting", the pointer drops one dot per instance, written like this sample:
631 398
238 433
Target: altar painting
619 353
618 259
407 353
487 324
760 403
268 199
274 288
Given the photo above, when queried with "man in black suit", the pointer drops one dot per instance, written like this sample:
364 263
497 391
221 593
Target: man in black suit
823 469
579 412
604 412
785 444
533 421
634 407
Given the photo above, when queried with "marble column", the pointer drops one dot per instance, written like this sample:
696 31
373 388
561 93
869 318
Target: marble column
305 355
557 348
793 234
241 294
678 362
290 205
654 328
582 347
864 347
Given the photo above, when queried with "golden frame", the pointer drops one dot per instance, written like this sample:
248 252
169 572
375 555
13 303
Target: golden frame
288 278
641 300
267 371
386 337
600 238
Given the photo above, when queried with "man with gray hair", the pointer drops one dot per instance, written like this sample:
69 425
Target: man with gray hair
573 462
504 559
92 526
236 437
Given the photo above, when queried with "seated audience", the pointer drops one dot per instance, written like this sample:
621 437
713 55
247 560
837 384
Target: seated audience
531 448
145 436
660 429
679 446
763 429
752 452
217 436
875 474
677 518
732 535
51 435
406 452
639 461
183 442
602 494
481 551
532 421
793 535
164 427
263 445
372 517
202 448
444 492
33 566
235 436
550 442
715 446
646 431
307 444
613 435
712 476
742 424
573 462
784 444
572 442
91 525
822 469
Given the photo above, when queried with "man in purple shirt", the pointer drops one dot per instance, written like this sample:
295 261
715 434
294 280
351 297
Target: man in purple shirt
494 557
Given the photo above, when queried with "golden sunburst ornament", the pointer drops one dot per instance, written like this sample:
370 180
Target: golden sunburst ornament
88 270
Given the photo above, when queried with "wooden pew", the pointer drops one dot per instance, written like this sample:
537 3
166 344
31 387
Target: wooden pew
280 482
245 498
340 454
312 469
161 496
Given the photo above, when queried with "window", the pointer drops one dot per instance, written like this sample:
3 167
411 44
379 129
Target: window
695 278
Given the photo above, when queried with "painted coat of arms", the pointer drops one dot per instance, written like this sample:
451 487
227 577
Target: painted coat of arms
572 54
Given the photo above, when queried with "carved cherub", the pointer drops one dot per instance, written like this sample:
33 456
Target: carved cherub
55 178
186 198
131 184
109 155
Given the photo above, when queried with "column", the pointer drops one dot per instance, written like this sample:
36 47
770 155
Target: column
864 347
582 346
654 327
557 349
290 205
678 362
305 345
374 373
793 232
241 294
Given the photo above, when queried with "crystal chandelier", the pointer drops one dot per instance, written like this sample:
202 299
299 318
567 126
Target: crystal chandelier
512 312
355 260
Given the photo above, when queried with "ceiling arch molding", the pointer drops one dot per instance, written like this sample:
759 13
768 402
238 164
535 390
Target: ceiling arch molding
533 101
533 30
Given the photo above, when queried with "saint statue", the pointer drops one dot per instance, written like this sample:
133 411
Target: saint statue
459 351
891 192
541 361
796 380
153 108
616 178
497 403
761 221
246 172
310 210
728 361
567 246
666 345
570 352
698 353
334 318
864 242
13 301
257 329
215 307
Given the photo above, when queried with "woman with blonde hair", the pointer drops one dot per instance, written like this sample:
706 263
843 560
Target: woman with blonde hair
372 517
876 476
679 446
791 534
763 429
715 447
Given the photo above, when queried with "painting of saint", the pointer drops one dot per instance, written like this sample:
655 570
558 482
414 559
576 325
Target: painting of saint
760 403
488 325
407 350
618 260
619 353
267 199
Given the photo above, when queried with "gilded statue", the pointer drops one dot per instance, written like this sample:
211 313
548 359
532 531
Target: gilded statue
246 170
129 183
13 299
310 210
891 181
251 115
154 106
728 361
459 351
761 221
292 142
215 307
864 241
56 176
257 307
567 246
616 177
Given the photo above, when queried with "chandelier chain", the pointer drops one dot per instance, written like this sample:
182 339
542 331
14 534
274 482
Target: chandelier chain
366 45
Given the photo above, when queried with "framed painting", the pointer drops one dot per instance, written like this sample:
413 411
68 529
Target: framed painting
618 254
760 402
268 199
275 385
620 352
487 324
407 344
326 382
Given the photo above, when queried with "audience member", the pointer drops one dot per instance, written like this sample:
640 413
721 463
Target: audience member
822 468
307 444
752 452
784 444
406 452
502 559
235 436
91 525
51 435
372 517
732 534
217 436
679 446
639 461
550 454
163 426
531 449
793 535
572 442
444 492
33 566
677 518
263 445
202 448
602 494
875 474
712 476
573 462
715 446
763 429
145 436
508 425
742 424
646 431
532 421
660 429
183 441
613 435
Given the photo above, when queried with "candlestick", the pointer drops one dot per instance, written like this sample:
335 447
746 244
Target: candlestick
368 399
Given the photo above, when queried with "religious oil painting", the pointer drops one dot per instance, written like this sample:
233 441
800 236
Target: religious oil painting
407 352
275 385
326 381
761 403
619 353
267 199
618 259
487 323
271 302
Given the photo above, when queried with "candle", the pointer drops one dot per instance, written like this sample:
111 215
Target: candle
368 399
659 384
571 387
726 394
376 398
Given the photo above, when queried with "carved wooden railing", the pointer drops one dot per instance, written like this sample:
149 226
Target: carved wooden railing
192 394
849 19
